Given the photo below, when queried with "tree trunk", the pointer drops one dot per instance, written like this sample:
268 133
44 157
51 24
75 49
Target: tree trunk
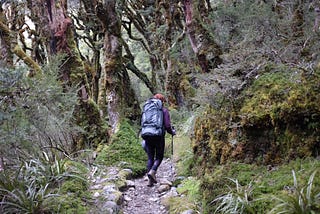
120 98
195 29
298 20
56 30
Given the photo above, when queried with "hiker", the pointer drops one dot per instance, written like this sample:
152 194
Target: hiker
155 145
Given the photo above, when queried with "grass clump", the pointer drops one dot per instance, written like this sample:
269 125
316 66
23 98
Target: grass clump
182 153
250 188
38 184
124 151
190 187
177 205
302 198
237 200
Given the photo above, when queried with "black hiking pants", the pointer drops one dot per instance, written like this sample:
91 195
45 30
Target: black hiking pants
155 151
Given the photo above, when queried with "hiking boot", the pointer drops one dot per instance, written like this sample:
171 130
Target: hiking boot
152 176
150 183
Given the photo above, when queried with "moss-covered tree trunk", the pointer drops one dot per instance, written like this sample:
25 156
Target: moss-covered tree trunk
173 74
206 49
298 20
56 31
117 93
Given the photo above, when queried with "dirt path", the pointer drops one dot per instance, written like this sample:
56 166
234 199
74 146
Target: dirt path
141 199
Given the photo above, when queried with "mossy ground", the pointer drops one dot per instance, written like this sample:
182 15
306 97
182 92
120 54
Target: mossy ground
124 151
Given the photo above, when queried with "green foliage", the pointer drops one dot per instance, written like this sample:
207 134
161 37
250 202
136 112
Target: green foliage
37 127
253 186
191 188
27 190
301 199
124 151
35 186
35 114
237 200
29 200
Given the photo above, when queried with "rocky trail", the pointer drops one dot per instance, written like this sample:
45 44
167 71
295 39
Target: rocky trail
114 192
141 199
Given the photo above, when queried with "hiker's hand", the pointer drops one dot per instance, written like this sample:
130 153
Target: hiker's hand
173 131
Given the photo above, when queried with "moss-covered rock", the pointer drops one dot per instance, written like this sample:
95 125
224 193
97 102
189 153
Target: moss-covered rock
278 118
272 122
282 108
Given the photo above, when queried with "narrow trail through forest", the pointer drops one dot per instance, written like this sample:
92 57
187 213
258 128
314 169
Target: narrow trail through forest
141 199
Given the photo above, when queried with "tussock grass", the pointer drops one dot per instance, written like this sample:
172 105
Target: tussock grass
237 200
301 198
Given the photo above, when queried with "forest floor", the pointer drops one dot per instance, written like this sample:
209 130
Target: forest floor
141 199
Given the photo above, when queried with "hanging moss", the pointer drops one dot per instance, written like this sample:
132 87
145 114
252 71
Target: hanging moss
210 143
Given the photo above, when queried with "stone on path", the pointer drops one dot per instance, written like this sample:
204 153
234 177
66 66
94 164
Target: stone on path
148 200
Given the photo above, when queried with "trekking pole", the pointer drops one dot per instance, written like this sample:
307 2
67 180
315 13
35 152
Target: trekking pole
172 147
172 143
172 170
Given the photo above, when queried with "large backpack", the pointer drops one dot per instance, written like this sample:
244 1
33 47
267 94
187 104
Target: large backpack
152 119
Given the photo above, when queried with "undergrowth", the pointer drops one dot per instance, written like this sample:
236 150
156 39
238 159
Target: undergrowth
301 198
189 191
264 183
124 151
40 184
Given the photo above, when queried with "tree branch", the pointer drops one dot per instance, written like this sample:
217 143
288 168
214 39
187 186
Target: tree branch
17 50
